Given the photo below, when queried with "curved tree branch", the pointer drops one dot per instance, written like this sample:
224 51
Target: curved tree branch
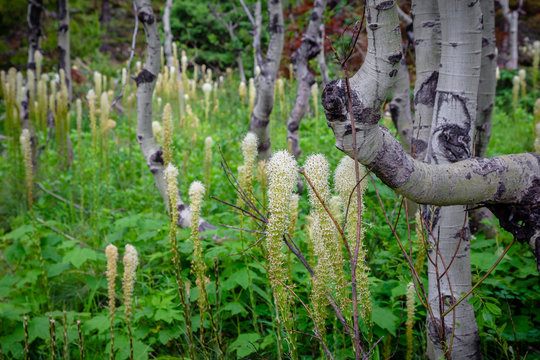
146 81
511 179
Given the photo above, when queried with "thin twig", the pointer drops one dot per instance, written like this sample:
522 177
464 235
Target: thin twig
56 196
131 54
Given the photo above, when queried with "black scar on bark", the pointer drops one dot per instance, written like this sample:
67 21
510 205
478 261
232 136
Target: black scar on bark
263 146
31 66
522 219
392 73
181 208
385 5
292 127
394 113
429 24
426 93
373 26
335 102
395 57
454 142
144 76
61 59
392 164
275 27
314 16
313 48
418 146
145 17
63 28
157 157
258 123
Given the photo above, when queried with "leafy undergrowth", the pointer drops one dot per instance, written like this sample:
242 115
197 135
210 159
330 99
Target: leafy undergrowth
112 199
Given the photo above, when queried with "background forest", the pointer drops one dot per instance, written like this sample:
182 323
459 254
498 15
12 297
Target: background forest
79 183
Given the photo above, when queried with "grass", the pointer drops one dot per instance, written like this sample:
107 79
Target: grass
119 204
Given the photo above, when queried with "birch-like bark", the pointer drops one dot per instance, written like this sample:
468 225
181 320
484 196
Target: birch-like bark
64 59
167 46
264 100
146 81
34 31
256 23
486 99
512 17
310 47
451 140
321 58
427 43
508 184
400 106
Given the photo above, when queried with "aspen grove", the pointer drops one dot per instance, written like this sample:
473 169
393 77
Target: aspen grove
278 179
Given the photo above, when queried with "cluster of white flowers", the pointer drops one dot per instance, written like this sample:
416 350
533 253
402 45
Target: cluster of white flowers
131 261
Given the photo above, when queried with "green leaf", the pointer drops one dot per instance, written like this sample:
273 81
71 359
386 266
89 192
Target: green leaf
100 323
168 315
385 319
38 328
494 309
234 308
246 344
56 269
79 256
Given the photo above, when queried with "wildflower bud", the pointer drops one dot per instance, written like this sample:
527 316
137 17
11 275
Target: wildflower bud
515 90
410 320
26 151
257 71
242 91
131 261
293 217
91 97
157 130
522 83
78 105
111 252
282 177
38 57
97 83
252 92
171 178
167 135
497 73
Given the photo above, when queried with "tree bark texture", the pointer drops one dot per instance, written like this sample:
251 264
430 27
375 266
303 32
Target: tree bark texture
310 47
451 140
486 100
427 44
146 81
167 46
64 59
264 100
509 184
34 31
321 58
400 106
512 17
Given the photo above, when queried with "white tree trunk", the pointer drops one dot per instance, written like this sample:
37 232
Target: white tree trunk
400 106
427 47
486 99
264 100
310 47
167 46
321 58
512 18
509 185
451 140
146 81
64 59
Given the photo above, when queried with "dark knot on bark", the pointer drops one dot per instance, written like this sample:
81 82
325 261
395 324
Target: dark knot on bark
334 100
